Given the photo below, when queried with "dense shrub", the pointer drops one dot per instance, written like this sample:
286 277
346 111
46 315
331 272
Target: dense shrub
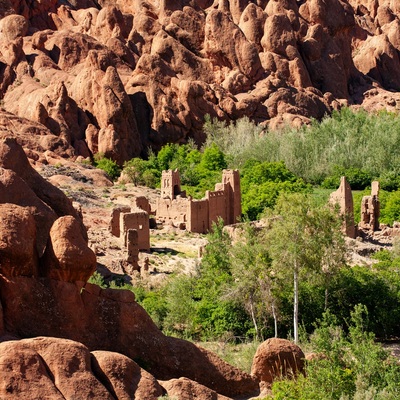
350 366
109 166
261 184
199 170
361 145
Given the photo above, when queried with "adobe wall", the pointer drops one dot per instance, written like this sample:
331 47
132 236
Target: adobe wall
217 206
224 202
344 198
370 209
172 210
141 202
114 219
132 246
197 216
231 178
170 184
139 220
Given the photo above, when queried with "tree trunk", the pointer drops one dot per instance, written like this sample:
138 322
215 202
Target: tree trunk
296 305
253 317
275 320
326 299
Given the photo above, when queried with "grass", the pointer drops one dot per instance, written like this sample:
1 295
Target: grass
239 355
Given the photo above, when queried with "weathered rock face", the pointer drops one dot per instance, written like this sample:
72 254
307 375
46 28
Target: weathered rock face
111 320
185 389
41 232
17 241
123 377
44 264
67 256
64 369
117 77
276 358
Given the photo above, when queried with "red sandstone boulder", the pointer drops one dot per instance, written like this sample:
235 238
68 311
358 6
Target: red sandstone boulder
186 389
15 191
13 157
67 256
33 136
18 254
57 369
112 320
99 91
12 27
276 358
123 377
378 58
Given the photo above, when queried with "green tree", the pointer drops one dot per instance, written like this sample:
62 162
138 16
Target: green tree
253 281
302 241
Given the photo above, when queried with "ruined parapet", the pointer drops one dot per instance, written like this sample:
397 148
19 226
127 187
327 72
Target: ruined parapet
141 202
132 246
171 184
139 220
113 226
344 199
198 215
218 205
375 188
370 209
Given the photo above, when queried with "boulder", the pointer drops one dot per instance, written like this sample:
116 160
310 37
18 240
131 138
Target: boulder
186 389
12 27
99 91
18 254
12 157
16 192
112 320
277 358
57 368
67 256
124 378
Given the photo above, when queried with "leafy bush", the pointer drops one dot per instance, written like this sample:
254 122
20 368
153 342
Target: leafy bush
357 178
199 171
390 207
261 184
109 166
349 366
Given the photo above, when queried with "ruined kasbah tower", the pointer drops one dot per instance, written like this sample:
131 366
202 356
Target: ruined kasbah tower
199 215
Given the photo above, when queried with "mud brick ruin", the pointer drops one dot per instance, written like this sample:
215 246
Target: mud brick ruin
344 199
370 208
131 225
198 215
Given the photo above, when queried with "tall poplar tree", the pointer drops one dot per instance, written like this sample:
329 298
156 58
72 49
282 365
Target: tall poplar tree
304 240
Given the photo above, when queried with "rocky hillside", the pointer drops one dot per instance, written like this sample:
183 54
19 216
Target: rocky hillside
81 341
84 76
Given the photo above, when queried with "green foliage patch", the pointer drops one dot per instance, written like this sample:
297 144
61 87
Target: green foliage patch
346 366
109 166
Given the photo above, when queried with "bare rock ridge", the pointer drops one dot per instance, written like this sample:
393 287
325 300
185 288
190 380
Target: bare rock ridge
64 332
118 77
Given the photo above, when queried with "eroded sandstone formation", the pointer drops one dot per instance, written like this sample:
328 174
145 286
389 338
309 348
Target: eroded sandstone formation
119 77
44 266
